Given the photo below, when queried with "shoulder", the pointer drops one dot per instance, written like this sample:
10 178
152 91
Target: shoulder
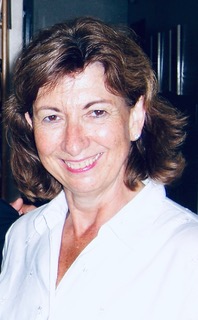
180 226
27 232
37 220
179 215
152 223
165 210
24 226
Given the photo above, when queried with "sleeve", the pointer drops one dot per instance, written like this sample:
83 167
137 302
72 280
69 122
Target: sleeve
189 310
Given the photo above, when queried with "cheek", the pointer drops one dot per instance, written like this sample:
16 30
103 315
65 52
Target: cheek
108 138
45 142
42 148
117 134
103 133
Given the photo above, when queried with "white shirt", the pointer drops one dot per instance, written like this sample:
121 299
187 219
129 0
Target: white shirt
143 265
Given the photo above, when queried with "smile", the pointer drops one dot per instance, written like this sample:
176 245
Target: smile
83 165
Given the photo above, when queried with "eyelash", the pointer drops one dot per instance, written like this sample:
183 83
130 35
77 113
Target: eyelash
94 113
51 118
98 113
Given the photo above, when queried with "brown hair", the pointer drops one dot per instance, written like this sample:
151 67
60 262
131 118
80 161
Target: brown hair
69 47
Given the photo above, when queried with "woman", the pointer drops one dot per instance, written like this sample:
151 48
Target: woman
89 133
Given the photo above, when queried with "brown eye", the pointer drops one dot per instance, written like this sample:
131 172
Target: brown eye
98 113
51 118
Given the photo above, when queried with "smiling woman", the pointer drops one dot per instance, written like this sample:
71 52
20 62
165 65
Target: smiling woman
86 128
100 144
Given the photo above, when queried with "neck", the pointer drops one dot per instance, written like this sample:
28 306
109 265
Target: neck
91 212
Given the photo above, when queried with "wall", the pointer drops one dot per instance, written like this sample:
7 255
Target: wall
162 14
15 33
48 12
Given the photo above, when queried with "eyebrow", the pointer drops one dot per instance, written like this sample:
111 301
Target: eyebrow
49 108
88 105
36 111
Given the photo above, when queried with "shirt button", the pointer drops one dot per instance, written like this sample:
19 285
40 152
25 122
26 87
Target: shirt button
84 269
39 309
101 309
39 315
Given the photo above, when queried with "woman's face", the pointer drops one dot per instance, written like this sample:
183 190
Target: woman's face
83 132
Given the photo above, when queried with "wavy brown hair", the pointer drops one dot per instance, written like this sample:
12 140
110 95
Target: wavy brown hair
69 47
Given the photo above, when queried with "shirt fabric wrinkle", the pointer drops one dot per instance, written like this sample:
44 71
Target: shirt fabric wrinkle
142 265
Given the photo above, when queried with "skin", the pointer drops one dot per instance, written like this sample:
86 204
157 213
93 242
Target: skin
83 134
21 207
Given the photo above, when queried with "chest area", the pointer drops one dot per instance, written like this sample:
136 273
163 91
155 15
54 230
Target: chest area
70 248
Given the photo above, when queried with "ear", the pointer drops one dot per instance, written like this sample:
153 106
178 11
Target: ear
28 119
136 119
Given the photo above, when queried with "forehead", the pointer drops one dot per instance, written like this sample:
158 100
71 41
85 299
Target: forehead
79 90
92 76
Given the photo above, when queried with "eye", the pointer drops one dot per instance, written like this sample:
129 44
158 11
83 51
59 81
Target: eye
51 118
98 113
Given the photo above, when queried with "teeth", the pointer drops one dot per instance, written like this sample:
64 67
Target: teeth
82 164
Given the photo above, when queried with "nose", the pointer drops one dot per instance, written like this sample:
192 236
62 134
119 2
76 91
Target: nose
74 139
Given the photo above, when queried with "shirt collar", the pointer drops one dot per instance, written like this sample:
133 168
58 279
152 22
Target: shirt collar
134 219
51 213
